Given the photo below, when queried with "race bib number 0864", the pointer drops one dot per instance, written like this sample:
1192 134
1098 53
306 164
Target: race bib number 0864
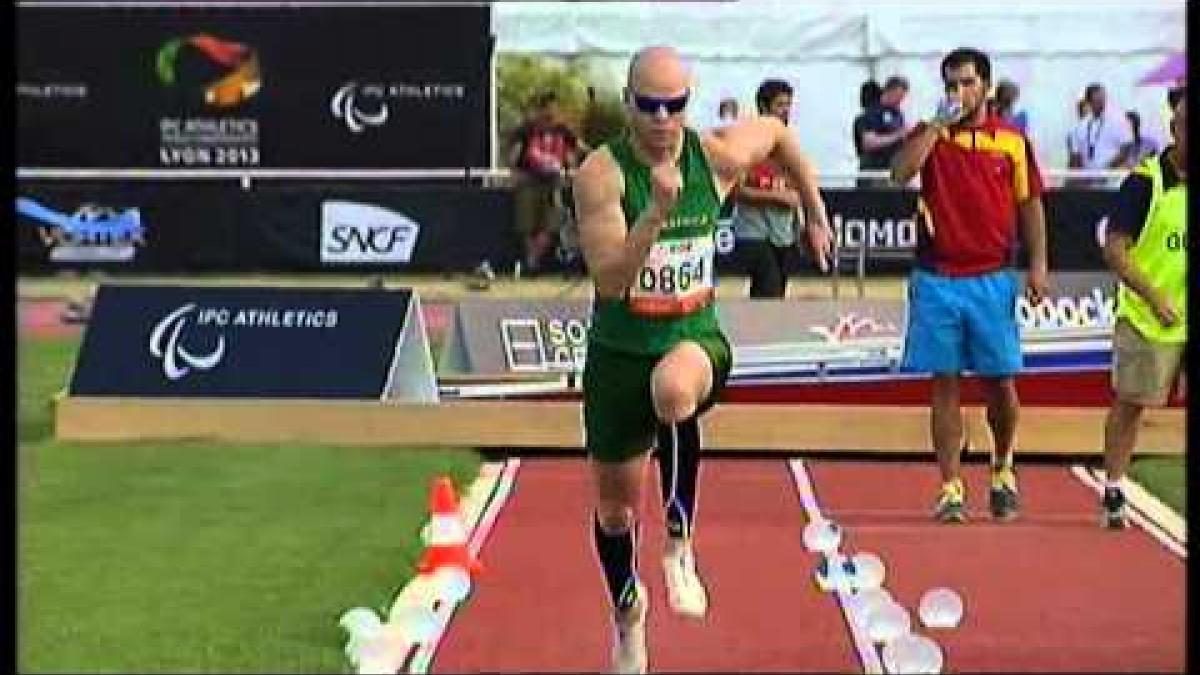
676 279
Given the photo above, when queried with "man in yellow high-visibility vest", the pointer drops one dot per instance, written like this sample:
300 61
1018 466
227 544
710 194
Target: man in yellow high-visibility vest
1146 247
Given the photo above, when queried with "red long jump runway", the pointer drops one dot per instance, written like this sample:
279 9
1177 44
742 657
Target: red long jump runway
1051 591
541 606
43 318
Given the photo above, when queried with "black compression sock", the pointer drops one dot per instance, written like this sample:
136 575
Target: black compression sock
678 453
618 558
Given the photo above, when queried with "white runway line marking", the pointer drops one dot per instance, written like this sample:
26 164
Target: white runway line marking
1146 516
1152 507
480 506
867 655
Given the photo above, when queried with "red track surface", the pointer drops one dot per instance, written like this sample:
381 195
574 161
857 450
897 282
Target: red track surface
43 318
1089 388
1050 592
541 605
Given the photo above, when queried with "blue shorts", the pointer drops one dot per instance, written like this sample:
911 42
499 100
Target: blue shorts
958 324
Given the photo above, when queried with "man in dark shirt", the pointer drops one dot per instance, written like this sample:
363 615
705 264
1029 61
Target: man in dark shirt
868 98
542 152
884 129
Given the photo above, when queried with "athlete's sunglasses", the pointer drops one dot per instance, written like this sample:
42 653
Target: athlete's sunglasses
650 105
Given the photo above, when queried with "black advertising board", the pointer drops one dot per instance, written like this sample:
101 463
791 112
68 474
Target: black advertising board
215 226
884 222
430 228
245 342
202 87
127 226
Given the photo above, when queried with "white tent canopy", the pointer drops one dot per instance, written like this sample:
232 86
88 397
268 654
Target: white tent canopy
1052 49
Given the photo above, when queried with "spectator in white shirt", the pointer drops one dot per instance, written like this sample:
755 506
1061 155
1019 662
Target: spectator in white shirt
1099 141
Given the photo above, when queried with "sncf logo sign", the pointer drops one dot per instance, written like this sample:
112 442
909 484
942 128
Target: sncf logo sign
355 233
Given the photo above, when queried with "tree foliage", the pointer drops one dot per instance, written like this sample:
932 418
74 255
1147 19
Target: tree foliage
521 77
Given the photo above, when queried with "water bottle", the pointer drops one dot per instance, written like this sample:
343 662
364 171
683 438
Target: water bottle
949 110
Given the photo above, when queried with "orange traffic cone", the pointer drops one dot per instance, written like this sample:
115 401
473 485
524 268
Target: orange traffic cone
447 540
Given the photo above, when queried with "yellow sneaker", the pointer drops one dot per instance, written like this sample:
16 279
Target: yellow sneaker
949 508
1002 497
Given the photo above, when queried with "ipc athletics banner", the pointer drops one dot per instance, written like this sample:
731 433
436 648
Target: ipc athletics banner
244 342
242 87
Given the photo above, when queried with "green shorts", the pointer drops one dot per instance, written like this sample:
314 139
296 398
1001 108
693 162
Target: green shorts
618 411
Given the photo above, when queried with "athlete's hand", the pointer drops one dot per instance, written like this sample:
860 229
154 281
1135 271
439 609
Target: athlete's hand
1037 285
820 237
666 183
1165 311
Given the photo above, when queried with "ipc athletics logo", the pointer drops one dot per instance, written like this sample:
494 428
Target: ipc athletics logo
237 77
345 106
166 343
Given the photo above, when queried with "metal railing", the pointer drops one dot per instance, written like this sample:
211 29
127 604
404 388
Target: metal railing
488 173
247 176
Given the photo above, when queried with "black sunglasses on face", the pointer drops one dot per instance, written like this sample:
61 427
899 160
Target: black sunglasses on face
651 104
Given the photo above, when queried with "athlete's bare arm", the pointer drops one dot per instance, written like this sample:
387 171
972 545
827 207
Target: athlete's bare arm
614 253
740 146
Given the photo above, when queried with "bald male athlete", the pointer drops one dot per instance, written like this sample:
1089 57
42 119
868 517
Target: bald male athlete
656 357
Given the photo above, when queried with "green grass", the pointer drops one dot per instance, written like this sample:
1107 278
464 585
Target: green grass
43 368
1165 477
203 557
